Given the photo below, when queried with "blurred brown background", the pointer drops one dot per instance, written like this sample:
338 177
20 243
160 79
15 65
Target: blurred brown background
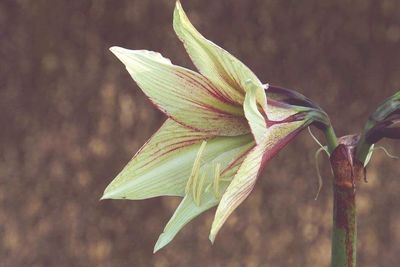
71 117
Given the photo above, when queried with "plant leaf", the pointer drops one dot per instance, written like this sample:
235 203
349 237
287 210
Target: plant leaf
182 94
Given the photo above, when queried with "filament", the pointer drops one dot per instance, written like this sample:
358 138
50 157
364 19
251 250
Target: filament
217 177
192 181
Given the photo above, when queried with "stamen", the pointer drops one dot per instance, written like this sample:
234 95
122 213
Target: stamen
208 187
195 170
199 190
217 180
194 186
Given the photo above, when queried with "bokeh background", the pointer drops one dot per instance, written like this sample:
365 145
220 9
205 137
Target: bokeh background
71 118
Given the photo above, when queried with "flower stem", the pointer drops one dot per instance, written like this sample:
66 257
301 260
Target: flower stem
344 237
347 170
331 139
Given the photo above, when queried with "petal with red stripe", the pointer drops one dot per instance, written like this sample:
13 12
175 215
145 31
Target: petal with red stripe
210 194
223 69
184 95
163 165
242 184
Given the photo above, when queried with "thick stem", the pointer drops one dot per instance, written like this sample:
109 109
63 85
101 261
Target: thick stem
347 170
344 236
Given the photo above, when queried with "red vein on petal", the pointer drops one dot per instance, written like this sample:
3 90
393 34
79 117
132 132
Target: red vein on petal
210 88
270 153
178 145
237 160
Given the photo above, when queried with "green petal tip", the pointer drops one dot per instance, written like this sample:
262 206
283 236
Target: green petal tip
161 242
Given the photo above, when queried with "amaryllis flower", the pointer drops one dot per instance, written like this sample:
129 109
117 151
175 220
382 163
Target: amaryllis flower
383 123
220 131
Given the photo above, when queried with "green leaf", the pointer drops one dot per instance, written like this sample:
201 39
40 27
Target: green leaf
163 165
182 94
223 69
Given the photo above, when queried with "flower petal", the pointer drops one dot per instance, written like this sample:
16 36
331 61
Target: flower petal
277 137
163 165
254 117
182 94
284 103
278 111
223 69
188 209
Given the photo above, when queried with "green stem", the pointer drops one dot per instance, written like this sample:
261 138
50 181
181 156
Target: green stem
344 236
346 171
331 139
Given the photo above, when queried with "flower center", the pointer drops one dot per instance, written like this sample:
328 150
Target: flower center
197 179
